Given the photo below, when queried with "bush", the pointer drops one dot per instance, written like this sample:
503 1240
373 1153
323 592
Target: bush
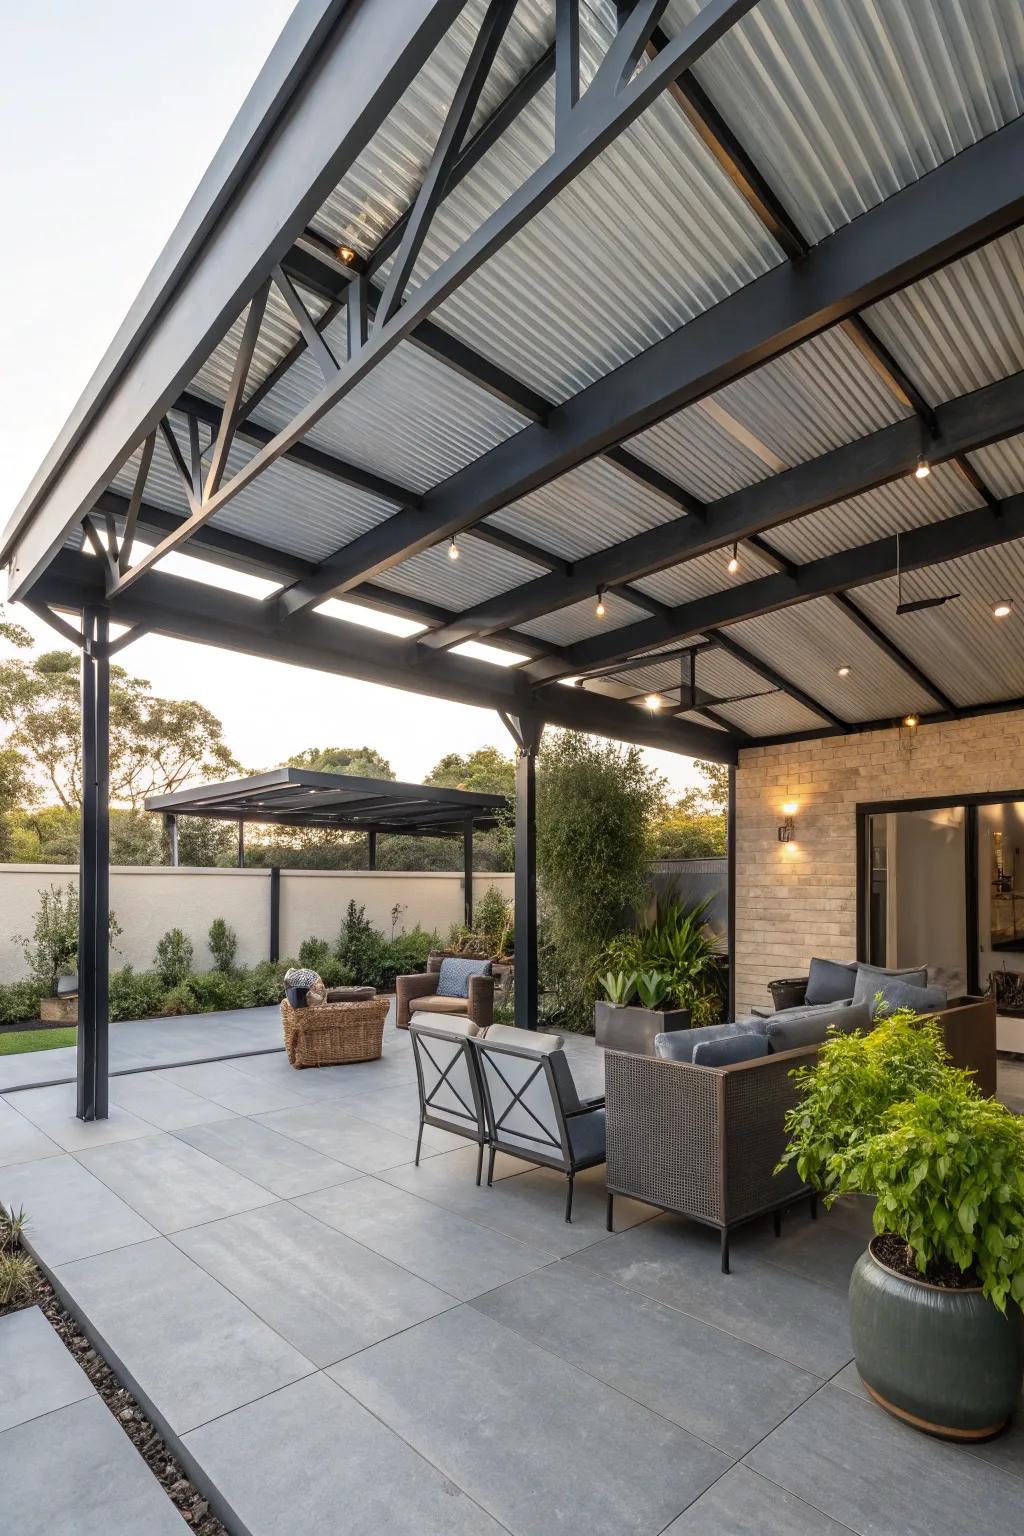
403 956
217 990
173 958
360 946
136 994
594 806
315 955
223 942
179 1000
492 919
266 982
52 950
20 1000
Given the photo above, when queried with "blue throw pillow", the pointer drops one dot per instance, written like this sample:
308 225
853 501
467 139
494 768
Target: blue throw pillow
871 978
897 993
680 1044
830 981
730 1049
453 977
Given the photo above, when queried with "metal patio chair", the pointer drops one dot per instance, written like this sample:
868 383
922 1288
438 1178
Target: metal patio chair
448 1082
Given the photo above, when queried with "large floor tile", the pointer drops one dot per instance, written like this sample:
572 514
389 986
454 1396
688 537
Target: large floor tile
723 1390
153 1097
858 1465
677 1262
171 1184
70 1213
527 1206
353 1473
193 1349
20 1140
277 1163
53 1111
223 1083
321 1291
541 1445
448 1250
75 1473
743 1504
37 1372
397 1109
336 1132
824 1250
38 1067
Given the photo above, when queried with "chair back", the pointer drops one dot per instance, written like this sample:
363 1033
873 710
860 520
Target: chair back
448 1077
522 1086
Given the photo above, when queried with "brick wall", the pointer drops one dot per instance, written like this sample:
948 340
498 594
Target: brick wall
800 899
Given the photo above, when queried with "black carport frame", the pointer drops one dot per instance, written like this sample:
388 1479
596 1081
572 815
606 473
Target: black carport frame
340 69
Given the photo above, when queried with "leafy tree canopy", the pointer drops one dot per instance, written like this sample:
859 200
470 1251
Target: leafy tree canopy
694 827
362 762
485 771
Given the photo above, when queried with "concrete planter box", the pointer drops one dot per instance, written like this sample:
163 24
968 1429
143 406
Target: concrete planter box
622 1027
59 1010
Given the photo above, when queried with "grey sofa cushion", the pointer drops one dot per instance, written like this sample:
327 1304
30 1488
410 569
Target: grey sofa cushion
586 1136
830 981
898 993
729 1049
871 978
679 1044
797 1027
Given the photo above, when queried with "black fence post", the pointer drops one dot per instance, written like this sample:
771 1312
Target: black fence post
94 872
275 912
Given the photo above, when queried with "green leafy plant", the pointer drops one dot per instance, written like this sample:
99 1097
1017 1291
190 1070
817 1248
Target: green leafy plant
223 942
18 1277
676 945
52 951
173 958
492 918
13 1224
315 955
180 1000
653 988
136 994
19 1000
618 986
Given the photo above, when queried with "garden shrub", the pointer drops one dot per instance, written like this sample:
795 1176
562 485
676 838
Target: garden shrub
52 951
173 958
136 994
217 990
20 1000
223 942
315 954
179 1000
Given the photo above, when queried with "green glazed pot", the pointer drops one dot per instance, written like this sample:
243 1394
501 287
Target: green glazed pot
948 1362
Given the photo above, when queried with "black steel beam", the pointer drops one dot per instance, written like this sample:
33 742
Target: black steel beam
895 654
928 545
769 673
971 198
94 872
173 606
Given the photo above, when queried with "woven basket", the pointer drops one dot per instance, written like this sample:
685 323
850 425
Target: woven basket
334 1032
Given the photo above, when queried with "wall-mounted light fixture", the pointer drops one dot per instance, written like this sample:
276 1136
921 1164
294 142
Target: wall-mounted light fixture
787 828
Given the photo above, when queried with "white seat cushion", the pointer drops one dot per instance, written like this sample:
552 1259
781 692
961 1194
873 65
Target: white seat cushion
431 1003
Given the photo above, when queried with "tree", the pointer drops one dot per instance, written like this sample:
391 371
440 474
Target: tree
362 762
16 791
595 806
695 827
156 744
485 771
206 844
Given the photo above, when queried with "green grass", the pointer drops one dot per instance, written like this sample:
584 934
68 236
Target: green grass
35 1040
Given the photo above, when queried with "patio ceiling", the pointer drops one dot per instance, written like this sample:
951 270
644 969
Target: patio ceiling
463 273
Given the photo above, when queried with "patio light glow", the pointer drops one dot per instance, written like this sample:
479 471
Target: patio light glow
1003 608
923 470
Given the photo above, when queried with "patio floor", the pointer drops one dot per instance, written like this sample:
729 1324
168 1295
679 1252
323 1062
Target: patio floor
328 1334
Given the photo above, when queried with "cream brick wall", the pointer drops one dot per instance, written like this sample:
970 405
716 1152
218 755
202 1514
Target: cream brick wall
800 899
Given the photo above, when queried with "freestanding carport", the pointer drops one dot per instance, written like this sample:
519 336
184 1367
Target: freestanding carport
608 345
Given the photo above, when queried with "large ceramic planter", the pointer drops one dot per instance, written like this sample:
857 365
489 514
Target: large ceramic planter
946 1361
621 1027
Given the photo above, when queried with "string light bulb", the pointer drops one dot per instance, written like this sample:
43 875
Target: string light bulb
653 702
1003 608
923 470
599 608
453 549
734 563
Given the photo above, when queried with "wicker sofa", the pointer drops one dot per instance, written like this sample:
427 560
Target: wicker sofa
418 994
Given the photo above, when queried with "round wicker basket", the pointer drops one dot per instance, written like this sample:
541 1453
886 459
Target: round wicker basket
334 1033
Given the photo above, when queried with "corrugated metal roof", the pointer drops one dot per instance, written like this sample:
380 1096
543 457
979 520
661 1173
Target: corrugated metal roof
278 333
586 510
841 105
412 419
703 575
772 714
814 398
717 673
972 656
699 454
481 571
809 642
891 508
1001 466
579 621
963 327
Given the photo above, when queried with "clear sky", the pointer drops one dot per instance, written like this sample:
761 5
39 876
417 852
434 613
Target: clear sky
110 113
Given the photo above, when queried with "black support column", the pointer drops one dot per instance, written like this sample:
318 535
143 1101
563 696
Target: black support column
275 912
526 730
371 850
171 828
241 845
467 870
94 871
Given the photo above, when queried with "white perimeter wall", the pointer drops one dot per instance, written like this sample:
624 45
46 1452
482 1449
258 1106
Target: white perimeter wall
150 899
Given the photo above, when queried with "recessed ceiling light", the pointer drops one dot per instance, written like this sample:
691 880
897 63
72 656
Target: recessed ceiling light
1003 608
923 470
843 671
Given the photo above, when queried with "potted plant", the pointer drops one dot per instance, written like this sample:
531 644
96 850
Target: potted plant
620 1024
673 967
935 1301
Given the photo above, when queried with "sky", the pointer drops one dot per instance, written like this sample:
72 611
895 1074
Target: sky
110 114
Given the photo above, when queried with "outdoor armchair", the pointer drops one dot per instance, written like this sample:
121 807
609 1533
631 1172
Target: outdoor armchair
448 1081
419 994
533 1109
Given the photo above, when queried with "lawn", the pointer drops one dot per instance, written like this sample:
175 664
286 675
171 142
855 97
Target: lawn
35 1040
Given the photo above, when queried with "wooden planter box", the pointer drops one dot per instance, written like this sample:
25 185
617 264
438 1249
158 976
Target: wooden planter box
622 1027
59 1010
